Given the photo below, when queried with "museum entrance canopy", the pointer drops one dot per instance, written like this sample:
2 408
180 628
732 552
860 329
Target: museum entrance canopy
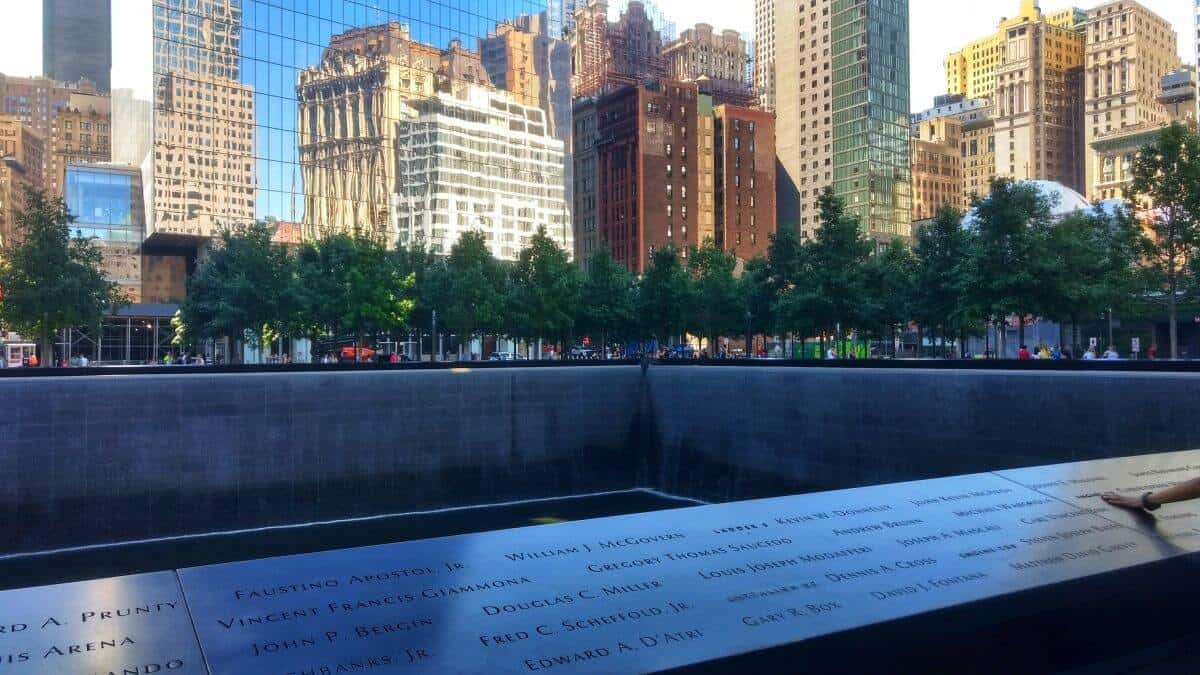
729 587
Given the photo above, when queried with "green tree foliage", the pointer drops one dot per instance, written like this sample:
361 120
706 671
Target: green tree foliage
718 306
49 279
544 292
1167 174
1010 262
664 296
352 283
939 287
1093 267
418 261
836 257
890 284
243 287
765 280
468 289
606 303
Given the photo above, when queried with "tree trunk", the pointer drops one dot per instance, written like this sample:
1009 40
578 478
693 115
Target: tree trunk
46 358
1020 330
920 339
1173 315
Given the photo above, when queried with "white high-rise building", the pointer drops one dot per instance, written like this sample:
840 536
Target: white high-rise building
480 161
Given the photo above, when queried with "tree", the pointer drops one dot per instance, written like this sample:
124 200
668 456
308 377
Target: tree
1167 174
606 299
784 267
664 296
351 282
418 260
468 290
890 283
1009 262
245 286
544 291
757 294
836 257
1094 266
939 285
50 280
717 305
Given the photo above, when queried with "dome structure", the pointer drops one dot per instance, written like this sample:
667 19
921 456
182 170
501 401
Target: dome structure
1063 200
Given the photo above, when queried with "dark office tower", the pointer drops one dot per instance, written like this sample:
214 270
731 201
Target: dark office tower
77 41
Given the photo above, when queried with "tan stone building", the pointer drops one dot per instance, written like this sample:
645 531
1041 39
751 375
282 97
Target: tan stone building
80 133
350 106
978 157
936 166
717 60
1129 50
1038 101
606 56
1113 153
22 162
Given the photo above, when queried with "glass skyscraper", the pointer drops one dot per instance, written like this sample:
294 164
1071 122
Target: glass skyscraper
839 83
871 113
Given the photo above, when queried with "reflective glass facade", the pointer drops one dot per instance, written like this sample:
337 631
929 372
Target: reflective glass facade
295 110
105 203
870 113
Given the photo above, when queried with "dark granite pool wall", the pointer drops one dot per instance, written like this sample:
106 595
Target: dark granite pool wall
737 433
98 459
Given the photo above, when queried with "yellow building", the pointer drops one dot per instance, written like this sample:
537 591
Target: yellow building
972 70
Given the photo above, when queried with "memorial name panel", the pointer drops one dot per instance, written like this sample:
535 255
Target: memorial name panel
650 591
1177 525
134 624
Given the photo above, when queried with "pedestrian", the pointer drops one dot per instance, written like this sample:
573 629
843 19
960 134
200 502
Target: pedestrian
1044 352
83 361
1111 354
1023 353
1090 354
1152 352
1056 353
831 354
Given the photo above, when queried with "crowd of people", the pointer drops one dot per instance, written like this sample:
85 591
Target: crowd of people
1044 351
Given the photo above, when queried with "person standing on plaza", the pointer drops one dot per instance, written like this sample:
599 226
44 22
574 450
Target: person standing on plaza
1111 354
1023 353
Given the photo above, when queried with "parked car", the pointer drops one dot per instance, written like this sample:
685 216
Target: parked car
581 352
502 356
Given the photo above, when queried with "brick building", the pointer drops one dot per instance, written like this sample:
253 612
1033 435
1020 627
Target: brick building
744 198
